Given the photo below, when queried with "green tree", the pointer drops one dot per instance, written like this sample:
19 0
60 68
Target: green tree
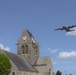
70 74
5 64
58 73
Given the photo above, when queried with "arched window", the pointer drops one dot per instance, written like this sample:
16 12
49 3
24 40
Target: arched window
26 49
23 49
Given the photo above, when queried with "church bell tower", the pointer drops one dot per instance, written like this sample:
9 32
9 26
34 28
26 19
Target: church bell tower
28 47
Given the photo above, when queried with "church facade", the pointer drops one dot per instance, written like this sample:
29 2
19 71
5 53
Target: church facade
28 61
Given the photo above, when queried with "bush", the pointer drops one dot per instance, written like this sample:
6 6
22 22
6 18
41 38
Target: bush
5 64
58 73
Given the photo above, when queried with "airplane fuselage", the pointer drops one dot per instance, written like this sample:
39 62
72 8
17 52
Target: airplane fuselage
67 29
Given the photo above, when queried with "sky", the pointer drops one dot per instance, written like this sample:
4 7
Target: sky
41 17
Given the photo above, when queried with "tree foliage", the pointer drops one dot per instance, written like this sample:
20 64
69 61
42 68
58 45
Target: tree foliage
5 64
70 74
58 73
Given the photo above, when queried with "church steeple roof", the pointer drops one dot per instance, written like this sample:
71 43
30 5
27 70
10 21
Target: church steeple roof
26 33
30 34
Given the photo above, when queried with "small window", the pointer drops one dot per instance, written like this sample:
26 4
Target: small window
23 49
26 46
50 71
13 73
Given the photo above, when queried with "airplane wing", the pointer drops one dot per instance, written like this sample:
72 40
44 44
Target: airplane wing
59 29
69 30
72 26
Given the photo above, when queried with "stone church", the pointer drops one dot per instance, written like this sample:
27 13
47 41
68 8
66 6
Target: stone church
28 61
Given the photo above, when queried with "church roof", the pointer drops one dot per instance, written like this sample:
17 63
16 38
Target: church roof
20 62
25 31
42 60
30 34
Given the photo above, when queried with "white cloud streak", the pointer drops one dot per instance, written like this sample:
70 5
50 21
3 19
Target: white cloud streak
72 33
4 48
52 51
71 54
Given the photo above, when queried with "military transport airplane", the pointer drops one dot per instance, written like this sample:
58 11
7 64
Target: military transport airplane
67 29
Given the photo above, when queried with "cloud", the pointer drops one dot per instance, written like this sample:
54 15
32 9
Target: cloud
4 48
71 54
72 33
52 51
